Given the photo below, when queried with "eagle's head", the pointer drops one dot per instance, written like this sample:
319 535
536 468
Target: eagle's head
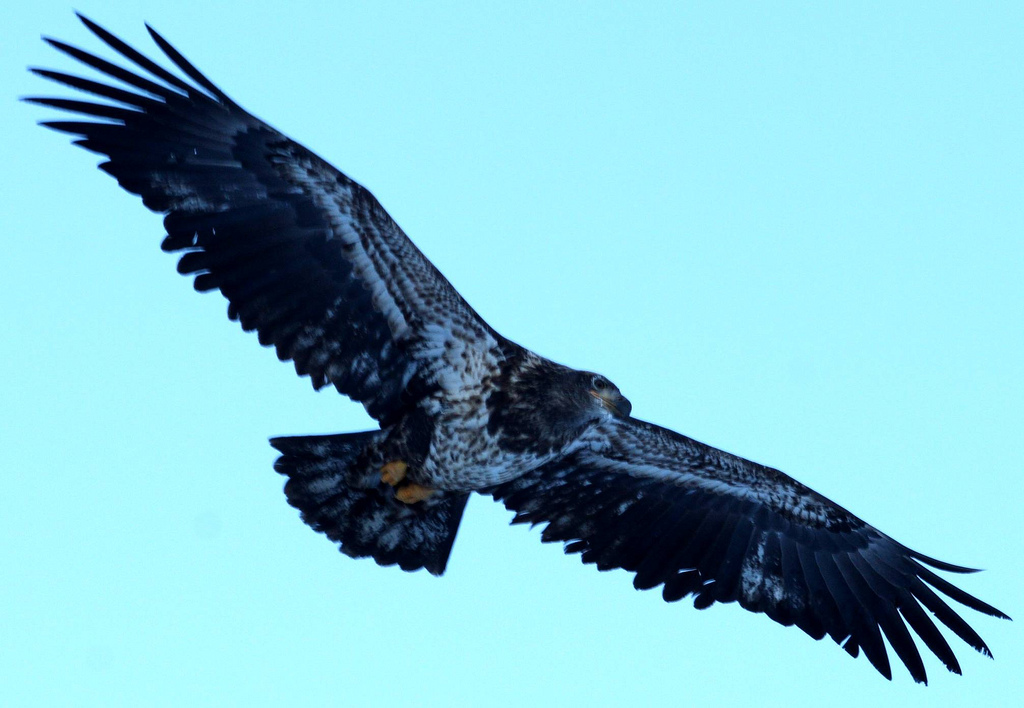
544 403
606 394
583 396
572 397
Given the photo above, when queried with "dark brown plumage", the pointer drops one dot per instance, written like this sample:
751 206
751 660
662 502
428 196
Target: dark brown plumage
313 263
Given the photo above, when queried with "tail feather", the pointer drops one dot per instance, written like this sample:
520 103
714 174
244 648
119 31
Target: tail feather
335 482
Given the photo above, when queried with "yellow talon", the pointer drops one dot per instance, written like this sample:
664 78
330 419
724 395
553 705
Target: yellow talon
411 493
393 472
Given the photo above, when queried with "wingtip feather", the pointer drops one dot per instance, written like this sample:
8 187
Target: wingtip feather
93 26
942 565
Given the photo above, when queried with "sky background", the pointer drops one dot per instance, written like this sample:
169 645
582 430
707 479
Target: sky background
794 232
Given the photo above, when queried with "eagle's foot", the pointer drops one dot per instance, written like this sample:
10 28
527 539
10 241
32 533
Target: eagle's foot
393 472
410 493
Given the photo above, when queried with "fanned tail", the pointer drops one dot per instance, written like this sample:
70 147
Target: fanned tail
334 480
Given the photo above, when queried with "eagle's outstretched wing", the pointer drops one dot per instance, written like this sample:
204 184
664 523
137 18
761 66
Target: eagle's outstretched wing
702 522
306 257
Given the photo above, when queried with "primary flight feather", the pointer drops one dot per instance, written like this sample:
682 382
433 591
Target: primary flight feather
314 264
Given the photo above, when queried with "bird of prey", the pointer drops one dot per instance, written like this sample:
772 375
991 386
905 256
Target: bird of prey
313 263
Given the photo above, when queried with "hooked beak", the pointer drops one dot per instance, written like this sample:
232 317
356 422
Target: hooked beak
614 402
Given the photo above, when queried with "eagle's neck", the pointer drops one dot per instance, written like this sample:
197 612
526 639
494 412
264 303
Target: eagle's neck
537 405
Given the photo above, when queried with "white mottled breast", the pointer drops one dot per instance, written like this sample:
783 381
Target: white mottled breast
463 455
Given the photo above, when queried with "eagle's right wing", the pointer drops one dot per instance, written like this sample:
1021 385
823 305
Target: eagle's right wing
306 257
703 522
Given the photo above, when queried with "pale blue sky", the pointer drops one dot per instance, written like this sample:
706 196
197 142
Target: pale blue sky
793 232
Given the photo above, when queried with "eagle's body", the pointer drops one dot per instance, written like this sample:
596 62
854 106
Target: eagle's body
476 432
314 264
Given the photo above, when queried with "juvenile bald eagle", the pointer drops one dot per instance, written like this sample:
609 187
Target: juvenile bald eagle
311 261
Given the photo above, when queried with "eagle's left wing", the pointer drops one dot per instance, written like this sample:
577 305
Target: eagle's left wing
306 256
703 522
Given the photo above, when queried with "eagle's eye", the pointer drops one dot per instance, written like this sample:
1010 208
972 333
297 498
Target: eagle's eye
601 384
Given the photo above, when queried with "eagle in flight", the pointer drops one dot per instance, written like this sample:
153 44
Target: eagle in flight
312 262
